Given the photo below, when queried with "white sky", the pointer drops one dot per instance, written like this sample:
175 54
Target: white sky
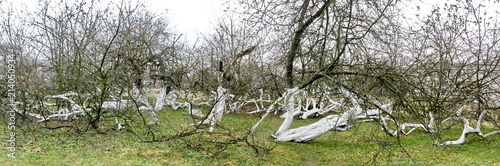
191 17
188 17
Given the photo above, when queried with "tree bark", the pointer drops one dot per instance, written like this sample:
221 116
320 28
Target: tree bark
215 115
297 37
468 130
341 122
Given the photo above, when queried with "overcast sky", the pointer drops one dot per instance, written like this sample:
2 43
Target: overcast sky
191 17
188 17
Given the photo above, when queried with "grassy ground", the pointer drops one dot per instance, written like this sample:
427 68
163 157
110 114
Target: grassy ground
363 144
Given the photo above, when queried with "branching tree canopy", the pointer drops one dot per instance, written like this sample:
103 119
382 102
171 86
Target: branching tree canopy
99 50
92 62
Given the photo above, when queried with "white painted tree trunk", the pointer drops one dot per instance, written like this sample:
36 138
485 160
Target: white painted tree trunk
310 102
468 130
173 103
117 105
194 112
160 99
144 106
259 103
75 109
297 110
268 110
427 128
63 113
215 115
401 128
290 110
15 108
322 109
341 122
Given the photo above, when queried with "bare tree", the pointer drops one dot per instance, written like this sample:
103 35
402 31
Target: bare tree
99 51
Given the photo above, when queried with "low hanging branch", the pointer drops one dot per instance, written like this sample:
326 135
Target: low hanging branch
63 113
73 109
345 120
468 129
289 106
341 122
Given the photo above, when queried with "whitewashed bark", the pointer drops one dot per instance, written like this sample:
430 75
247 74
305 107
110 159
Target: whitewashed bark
142 99
341 122
173 103
215 115
143 103
65 113
15 108
468 130
268 110
201 101
310 132
154 117
235 106
322 109
402 127
197 101
259 105
297 109
427 128
430 127
74 105
290 110
160 99
194 112
412 126
112 106
62 114
117 105
75 109
144 106
310 102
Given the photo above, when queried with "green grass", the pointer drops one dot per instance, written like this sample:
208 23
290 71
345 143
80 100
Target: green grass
363 144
